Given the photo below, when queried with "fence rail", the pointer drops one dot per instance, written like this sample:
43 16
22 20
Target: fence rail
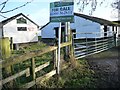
86 46
32 70
82 48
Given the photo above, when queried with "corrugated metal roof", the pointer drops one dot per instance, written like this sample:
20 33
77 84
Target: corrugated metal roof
98 20
94 19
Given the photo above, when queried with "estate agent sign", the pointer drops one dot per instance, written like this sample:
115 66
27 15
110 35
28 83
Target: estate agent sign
61 11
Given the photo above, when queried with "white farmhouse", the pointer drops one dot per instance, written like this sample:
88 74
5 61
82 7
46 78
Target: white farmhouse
82 24
20 29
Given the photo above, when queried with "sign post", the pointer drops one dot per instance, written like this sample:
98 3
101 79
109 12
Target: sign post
61 12
59 40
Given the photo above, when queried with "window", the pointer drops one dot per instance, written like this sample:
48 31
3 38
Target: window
22 28
21 21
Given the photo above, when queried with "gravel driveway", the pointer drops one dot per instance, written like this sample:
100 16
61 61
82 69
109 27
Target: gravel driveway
107 68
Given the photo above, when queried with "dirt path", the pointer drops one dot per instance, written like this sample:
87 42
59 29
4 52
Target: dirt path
107 68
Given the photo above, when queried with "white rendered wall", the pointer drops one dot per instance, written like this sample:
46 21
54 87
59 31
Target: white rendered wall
10 30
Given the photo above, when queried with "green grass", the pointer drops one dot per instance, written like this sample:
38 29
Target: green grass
28 48
78 77
25 64
81 76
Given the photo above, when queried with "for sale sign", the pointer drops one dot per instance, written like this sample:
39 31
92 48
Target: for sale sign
61 12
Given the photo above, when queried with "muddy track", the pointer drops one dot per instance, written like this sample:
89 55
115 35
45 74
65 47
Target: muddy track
107 68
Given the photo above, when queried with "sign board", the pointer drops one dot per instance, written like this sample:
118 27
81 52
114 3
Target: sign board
61 12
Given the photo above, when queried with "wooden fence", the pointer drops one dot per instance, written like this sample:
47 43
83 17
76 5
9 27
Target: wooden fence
5 51
32 70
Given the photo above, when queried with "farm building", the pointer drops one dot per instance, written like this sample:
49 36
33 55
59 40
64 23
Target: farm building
82 24
20 29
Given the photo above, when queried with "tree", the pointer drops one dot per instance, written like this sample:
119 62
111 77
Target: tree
81 3
4 3
93 3
116 4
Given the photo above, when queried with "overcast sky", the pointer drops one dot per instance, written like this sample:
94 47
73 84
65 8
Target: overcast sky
38 10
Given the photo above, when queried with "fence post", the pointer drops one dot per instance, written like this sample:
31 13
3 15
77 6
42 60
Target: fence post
71 51
66 53
55 58
6 53
71 46
11 43
5 48
115 39
33 68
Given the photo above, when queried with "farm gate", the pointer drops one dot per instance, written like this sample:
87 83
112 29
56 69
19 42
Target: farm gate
85 46
28 72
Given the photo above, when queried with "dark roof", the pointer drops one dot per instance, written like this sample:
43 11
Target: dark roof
117 21
98 20
13 17
94 19
44 25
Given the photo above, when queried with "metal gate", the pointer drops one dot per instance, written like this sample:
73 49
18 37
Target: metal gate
92 43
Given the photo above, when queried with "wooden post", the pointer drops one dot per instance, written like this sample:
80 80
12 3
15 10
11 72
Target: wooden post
66 54
55 58
59 41
6 53
114 36
0 43
5 48
11 43
0 77
71 46
70 49
116 31
69 37
33 68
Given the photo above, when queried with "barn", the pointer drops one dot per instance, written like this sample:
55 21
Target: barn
20 29
82 24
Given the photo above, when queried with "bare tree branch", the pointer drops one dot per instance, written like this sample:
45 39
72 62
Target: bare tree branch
116 4
3 16
101 2
4 5
84 3
16 7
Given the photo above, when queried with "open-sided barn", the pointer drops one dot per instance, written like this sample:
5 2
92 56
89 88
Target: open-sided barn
82 24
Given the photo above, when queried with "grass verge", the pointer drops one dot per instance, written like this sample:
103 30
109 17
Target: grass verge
72 77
